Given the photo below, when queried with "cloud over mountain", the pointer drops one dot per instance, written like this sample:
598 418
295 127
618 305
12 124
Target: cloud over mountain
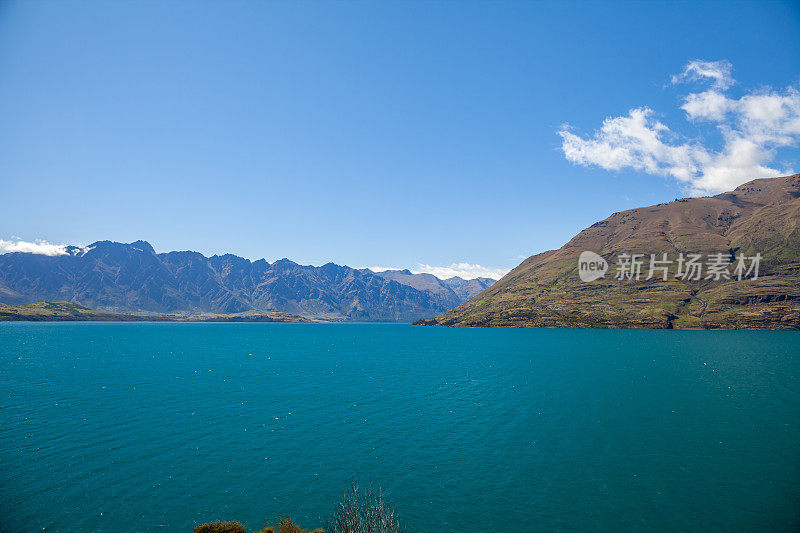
463 270
39 247
752 127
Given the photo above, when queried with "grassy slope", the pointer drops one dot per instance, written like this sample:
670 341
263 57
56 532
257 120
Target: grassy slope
66 311
761 216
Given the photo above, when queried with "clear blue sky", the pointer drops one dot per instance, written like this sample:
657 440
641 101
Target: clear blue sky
366 134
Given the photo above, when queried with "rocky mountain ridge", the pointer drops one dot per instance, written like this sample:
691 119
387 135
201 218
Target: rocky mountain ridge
133 278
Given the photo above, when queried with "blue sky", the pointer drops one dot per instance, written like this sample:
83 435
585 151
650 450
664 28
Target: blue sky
393 134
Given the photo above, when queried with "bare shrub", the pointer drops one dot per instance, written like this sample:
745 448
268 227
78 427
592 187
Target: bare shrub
363 512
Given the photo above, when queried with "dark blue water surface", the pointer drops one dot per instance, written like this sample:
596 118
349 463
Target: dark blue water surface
159 427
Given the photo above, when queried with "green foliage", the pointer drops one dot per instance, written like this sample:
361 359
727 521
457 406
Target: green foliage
286 525
221 527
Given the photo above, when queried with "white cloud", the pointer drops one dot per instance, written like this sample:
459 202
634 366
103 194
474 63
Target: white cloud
39 247
717 71
633 141
708 105
751 127
462 270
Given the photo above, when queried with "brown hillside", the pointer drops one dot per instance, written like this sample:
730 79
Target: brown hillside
762 216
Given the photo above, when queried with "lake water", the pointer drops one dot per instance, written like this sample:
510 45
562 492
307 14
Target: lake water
159 427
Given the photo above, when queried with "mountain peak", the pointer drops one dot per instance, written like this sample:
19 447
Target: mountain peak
143 246
284 263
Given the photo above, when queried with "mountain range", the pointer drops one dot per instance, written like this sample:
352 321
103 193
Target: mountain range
761 218
133 278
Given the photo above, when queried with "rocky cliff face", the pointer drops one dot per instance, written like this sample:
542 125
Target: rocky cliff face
760 217
133 278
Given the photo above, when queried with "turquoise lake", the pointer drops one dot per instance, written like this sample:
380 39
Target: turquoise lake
125 427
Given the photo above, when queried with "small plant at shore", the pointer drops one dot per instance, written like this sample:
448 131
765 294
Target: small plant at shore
221 527
286 525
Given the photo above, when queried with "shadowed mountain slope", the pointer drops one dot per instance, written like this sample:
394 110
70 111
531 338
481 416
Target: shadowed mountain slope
449 292
759 217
